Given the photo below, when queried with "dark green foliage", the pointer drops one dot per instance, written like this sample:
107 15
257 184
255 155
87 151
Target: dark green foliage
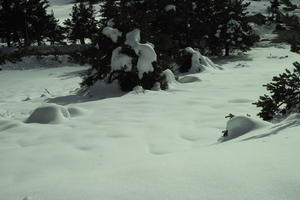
54 32
274 10
231 29
25 22
89 1
184 61
171 25
284 95
82 24
100 59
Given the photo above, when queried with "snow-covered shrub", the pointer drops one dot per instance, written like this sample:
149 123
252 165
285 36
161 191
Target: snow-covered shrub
284 95
240 125
123 58
191 60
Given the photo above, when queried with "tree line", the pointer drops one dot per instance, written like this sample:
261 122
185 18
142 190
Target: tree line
211 25
28 22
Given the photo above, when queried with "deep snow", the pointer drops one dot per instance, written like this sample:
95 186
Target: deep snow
147 144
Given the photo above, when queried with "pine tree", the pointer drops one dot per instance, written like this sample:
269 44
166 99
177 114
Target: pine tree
55 32
232 30
274 9
36 21
11 20
23 19
82 24
284 95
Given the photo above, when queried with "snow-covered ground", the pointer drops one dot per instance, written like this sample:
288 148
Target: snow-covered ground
147 145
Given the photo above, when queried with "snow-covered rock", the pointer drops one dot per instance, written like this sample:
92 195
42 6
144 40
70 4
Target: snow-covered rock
240 125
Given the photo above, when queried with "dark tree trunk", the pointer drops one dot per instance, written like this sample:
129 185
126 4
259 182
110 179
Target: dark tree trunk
8 40
82 41
227 50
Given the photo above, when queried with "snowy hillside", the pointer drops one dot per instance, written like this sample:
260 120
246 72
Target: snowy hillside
57 143
146 145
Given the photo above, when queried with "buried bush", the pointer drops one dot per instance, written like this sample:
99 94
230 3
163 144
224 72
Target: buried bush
284 97
125 60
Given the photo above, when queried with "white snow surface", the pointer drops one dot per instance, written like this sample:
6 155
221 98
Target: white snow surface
150 144
145 52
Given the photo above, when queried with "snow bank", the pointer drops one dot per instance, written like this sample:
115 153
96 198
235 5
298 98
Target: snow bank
52 114
240 125
145 52
199 62
112 33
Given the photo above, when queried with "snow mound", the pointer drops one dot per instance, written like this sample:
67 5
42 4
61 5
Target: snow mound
240 125
170 77
112 33
52 114
146 52
75 112
189 79
8 124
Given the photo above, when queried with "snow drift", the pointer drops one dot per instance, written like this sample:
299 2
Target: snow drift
52 114
240 125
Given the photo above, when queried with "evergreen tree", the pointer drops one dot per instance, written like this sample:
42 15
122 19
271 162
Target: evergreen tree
284 95
12 18
82 24
23 19
232 30
36 21
55 32
274 9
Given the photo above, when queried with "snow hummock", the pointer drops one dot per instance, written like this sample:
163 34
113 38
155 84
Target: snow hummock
146 52
112 33
240 125
120 61
52 114
199 62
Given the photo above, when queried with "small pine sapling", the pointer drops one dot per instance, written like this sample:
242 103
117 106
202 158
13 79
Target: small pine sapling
284 97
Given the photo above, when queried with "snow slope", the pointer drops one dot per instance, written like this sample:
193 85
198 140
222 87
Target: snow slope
146 144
